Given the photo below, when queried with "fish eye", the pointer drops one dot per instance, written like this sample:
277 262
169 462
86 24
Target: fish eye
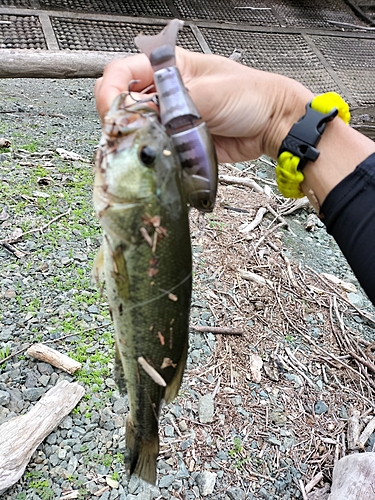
147 155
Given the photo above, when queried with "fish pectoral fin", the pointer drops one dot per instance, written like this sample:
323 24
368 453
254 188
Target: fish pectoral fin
97 273
172 388
141 454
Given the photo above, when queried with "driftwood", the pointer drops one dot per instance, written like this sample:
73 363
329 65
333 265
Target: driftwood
20 436
54 358
354 478
28 63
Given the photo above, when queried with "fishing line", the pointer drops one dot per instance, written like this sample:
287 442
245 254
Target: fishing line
167 292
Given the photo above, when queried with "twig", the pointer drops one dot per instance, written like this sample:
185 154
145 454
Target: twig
13 250
302 488
228 179
38 229
217 330
51 341
314 481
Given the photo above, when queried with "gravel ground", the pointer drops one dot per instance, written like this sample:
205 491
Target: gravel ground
46 295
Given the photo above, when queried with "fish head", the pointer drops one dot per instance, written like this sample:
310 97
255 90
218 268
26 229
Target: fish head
136 162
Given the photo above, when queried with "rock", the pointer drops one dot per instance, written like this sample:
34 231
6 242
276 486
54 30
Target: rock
320 407
206 482
273 440
182 425
206 408
33 393
278 417
343 413
182 472
195 356
235 493
169 431
120 406
355 299
4 398
166 481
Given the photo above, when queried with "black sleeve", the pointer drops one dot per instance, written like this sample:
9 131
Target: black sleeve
349 215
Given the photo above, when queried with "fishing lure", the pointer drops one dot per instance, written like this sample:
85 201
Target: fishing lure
190 135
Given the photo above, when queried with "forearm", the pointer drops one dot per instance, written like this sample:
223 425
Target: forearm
341 150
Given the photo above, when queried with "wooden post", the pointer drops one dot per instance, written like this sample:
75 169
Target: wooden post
28 63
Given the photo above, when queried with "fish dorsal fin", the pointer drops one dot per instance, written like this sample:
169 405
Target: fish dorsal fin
172 388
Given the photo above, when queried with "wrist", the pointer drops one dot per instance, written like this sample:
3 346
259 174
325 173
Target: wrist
289 105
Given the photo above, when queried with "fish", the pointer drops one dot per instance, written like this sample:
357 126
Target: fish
146 263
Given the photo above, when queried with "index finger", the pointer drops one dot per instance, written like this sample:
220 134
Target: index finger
116 77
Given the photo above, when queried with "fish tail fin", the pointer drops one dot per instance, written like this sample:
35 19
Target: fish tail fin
173 387
142 454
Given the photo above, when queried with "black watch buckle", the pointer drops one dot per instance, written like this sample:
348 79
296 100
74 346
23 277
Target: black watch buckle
305 135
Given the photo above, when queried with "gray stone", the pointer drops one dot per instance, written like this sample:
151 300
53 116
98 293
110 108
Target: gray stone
355 299
45 368
5 335
93 309
206 482
169 431
206 408
31 379
72 465
4 398
195 356
166 481
144 495
120 406
43 380
67 423
33 393
273 440
320 407
134 484
182 472
235 493
343 413
278 417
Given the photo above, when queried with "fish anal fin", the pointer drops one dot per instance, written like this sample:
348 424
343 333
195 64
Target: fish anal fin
173 387
141 454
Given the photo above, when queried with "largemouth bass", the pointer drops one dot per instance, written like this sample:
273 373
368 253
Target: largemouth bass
146 256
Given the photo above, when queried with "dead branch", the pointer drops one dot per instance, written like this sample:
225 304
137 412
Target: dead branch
228 179
216 330
54 358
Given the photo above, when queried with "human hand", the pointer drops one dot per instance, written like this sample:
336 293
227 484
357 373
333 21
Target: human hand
248 112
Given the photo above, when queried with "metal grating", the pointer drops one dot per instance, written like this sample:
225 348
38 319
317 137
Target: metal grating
259 14
353 59
148 8
21 32
15 3
79 34
317 13
289 55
